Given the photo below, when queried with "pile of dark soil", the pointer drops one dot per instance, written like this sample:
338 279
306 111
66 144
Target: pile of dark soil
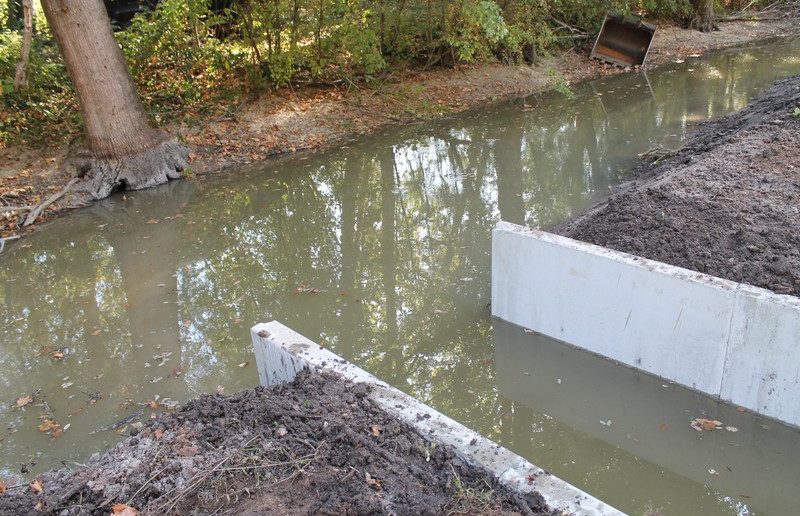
726 204
318 445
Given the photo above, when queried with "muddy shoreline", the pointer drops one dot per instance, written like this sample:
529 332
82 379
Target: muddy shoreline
313 118
726 204
318 445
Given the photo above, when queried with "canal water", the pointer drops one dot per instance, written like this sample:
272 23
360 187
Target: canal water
381 252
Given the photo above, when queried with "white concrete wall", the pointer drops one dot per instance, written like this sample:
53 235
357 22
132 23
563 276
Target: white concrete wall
281 353
722 338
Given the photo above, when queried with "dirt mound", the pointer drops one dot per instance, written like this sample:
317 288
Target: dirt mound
726 204
318 445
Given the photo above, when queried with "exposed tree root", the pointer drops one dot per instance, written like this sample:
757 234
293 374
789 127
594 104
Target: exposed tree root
36 211
703 25
99 177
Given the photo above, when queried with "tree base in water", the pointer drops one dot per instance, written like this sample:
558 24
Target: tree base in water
101 176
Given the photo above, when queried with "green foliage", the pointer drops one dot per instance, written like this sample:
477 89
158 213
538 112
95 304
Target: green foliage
796 112
180 66
189 60
478 27
47 106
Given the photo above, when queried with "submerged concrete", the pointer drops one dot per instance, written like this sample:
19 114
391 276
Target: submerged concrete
281 353
648 418
729 340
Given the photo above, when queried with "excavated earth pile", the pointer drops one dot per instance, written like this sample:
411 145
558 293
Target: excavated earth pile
726 204
318 445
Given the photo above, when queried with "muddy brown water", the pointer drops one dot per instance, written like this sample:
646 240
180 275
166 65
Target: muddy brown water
381 251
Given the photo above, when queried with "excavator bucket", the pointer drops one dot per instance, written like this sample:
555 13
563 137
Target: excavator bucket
623 40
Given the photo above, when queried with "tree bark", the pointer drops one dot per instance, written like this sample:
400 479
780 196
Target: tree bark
21 73
120 150
703 18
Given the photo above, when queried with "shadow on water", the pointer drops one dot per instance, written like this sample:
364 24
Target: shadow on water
150 295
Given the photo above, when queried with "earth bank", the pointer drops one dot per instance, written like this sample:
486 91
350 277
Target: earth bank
319 118
726 204
317 445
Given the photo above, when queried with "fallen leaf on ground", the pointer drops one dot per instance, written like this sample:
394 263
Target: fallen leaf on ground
120 509
376 430
37 486
24 400
158 433
2 487
281 432
701 424
372 482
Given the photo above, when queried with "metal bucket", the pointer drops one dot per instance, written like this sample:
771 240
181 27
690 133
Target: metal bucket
623 40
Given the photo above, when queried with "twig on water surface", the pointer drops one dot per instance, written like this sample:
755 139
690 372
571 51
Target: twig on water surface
3 241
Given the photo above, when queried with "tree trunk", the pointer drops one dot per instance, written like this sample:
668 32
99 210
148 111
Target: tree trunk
21 73
120 149
703 18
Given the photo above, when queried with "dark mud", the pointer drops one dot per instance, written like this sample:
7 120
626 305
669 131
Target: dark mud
726 204
318 445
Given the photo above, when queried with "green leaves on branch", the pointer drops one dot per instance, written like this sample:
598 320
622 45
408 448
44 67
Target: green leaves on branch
197 57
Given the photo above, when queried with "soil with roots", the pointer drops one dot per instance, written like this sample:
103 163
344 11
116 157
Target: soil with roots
726 204
318 445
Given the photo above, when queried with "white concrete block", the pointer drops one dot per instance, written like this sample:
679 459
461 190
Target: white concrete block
281 353
762 371
722 338
658 318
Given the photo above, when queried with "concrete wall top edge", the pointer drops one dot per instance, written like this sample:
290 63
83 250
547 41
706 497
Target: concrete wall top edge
274 341
648 264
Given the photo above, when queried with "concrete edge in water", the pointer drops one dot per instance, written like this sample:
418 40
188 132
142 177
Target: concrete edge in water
281 353
729 340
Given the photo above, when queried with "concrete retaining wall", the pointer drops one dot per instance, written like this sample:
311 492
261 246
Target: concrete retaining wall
281 353
722 338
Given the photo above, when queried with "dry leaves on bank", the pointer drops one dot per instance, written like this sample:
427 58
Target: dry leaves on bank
121 509
373 482
37 486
